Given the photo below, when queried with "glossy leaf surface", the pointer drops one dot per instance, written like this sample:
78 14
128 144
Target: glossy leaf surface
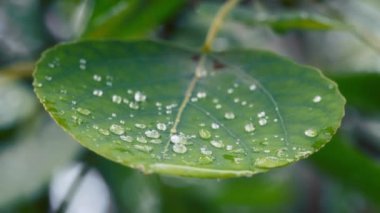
164 109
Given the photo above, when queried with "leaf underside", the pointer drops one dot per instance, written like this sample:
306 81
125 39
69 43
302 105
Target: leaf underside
249 111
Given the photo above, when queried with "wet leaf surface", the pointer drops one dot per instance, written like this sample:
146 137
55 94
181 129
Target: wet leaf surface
164 109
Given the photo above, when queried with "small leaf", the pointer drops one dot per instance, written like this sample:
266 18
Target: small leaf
165 109
292 21
129 18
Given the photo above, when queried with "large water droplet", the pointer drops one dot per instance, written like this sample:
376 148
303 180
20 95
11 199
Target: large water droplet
215 126
201 94
126 138
205 151
179 148
252 87
249 127
83 111
117 99
263 121
317 99
161 126
143 148
229 115
139 96
152 133
311 133
204 134
177 139
97 78
270 162
217 143
116 129
97 92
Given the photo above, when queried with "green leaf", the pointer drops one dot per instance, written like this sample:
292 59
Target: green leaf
129 18
289 21
164 109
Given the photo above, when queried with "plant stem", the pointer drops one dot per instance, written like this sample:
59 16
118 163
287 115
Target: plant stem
217 22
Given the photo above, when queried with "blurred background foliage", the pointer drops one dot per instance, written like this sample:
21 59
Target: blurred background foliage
44 170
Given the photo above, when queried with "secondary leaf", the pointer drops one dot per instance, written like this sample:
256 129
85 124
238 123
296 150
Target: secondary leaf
285 22
165 109
128 18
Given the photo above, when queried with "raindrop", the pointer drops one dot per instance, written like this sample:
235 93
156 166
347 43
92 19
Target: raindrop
311 133
215 126
201 94
140 126
177 139
116 129
249 127
317 99
205 151
97 92
133 105
263 122
103 131
204 134
229 115
141 139
152 134
179 148
83 111
252 87
97 78
261 114
161 126
139 96
217 144
126 138
143 148
116 99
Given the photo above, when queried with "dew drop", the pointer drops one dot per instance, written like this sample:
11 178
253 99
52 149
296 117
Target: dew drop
103 131
116 99
139 96
270 162
126 138
249 127
143 148
205 151
215 126
263 121
201 94
152 134
141 139
204 134
97 78
177 139
317 99
140 126
83 111
217 144
133 105
252 87
261 114
229 115
311 133
161 126
179 148
116 129
97 92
